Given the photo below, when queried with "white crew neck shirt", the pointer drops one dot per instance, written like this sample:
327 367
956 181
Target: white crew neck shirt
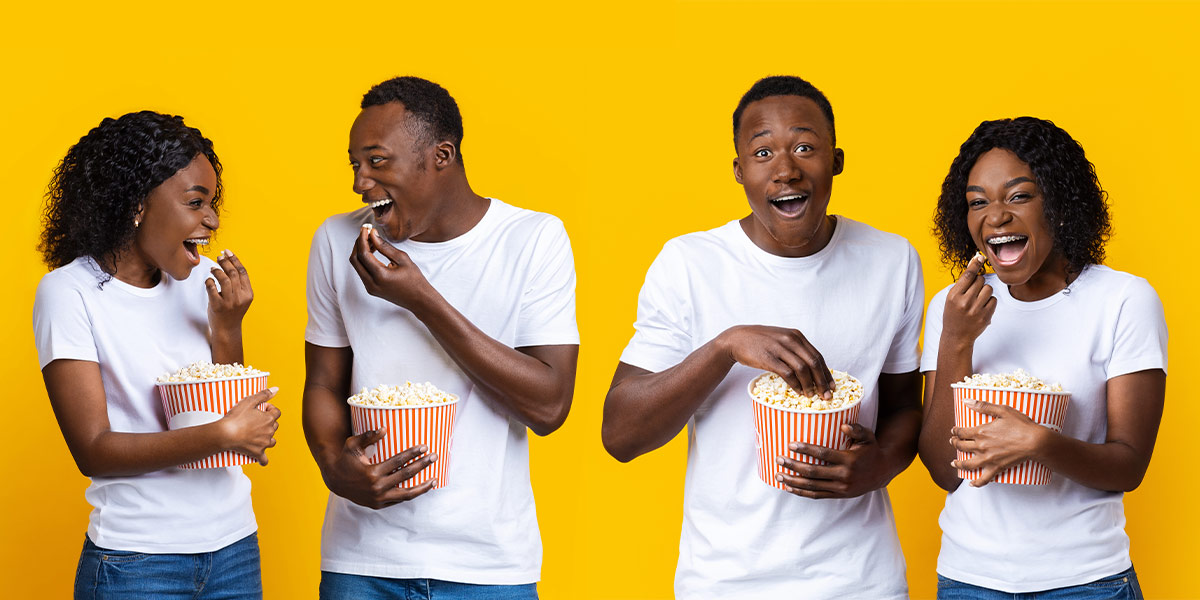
1018 538
858 301
513 276
136 334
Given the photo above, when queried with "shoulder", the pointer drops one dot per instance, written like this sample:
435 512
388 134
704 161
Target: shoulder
1118 285
74 277
343 226
510 220
860 234
702 246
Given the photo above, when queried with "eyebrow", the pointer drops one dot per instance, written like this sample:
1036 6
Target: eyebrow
768 132
1010 183
198 188
366 148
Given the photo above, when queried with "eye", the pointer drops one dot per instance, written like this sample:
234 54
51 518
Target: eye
762 153
1021 197
353 165
976 202
803 148
376 160
196 203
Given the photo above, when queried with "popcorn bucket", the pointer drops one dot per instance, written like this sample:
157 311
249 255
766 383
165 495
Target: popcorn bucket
408 426
191 403
776 427
1045 408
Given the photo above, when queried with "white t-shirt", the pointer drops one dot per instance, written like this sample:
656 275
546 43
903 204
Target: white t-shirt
513 276
859 302
1018 538
137 334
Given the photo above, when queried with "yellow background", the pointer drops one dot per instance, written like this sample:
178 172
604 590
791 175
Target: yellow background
616 119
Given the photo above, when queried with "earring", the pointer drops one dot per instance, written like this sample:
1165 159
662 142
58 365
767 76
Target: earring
136 223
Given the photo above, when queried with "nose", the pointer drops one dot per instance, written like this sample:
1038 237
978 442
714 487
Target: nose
787 168
362 183
997 214
211 220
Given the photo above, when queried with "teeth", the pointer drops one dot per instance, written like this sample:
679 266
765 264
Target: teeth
792 197
198 241
379 203
1004 239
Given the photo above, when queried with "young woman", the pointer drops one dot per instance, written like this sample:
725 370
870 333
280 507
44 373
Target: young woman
127 210
1022 193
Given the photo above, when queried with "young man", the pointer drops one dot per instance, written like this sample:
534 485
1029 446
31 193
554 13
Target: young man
788 289
466 292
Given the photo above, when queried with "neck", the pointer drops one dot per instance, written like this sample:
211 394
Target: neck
131 267
1051 279
459 210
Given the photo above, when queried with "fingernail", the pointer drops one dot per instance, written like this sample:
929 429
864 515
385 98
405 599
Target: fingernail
432 458
273 390
792 446
779 478
423 448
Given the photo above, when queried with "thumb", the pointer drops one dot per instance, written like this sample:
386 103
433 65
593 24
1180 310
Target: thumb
987 408
858 434
377 243
254 400
358 443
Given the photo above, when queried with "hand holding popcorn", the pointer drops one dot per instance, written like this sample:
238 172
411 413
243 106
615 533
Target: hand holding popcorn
399 282
229 293
250 431
969 307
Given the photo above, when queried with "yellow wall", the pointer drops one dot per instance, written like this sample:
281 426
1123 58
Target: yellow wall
616 120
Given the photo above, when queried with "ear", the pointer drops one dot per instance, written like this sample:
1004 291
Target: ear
839 161
737 170
445 153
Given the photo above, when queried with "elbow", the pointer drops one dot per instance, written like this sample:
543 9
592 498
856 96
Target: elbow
551 418
620 449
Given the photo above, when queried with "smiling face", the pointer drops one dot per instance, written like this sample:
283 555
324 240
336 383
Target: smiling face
786 162
1007 219
391 172
176 218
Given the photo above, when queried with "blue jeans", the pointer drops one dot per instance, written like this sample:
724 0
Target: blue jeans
230 573
1122 586
340 586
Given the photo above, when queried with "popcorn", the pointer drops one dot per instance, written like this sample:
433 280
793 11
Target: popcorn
204 371
1017 380
771 389
409 394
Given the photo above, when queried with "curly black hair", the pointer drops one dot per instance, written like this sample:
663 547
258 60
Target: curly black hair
105 178
782 85
1075 205
430 105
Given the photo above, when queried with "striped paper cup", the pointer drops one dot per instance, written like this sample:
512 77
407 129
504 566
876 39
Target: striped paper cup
776 427
1045 408
408 426
191 403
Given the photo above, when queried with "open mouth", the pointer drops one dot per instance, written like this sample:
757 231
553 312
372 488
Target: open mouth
191 247
791 205
380 207
1007 249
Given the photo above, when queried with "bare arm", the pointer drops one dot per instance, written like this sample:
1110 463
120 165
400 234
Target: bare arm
77 396
228 307
969 309
1135 405
339 454
536 383
644 410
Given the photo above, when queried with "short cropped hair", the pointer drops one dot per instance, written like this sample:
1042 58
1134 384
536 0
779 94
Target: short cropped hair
782 85
431 106
1075 205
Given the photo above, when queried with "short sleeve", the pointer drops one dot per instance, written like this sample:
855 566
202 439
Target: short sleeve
933 331
62 328
662 335
902 355
325 325
1140 338
547 313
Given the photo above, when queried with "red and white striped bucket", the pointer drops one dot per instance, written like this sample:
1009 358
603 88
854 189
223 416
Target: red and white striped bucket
776 427
191 403
408 426
1045 408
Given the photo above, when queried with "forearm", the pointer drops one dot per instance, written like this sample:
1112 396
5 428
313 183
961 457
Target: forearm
644 411
897 435
326 421
121 454
227 345
537 394
1110 466
954 363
